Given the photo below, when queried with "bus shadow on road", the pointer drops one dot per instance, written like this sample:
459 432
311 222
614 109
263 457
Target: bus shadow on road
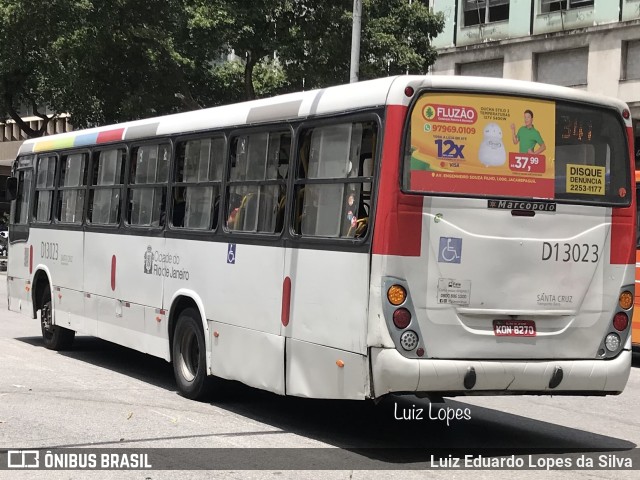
120 359
403 430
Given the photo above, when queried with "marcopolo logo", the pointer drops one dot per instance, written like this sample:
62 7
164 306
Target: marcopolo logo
449 113
520 205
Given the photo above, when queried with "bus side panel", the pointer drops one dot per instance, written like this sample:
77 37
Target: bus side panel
121 322
316 371
240 286
251 357
19 295
156 339
121 283
70 313
329 298
244 291
59 252
116 266
115 270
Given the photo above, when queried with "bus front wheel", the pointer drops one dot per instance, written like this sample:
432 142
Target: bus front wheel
189 356
55 337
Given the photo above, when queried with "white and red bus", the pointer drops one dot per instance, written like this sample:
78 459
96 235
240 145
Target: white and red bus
424 234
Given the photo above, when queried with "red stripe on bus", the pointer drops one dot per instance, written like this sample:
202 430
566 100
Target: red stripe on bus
113 272
286 301
623 222
398 220
110 136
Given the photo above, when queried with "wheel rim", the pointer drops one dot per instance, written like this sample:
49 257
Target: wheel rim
189 355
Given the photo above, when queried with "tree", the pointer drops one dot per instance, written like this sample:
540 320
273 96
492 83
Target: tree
103 62
253 31
312 40
106 62
27 29
129 59
396 39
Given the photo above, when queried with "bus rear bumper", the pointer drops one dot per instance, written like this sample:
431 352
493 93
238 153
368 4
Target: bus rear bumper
394 373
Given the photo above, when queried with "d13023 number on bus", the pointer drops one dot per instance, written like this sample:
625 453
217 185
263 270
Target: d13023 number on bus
570 252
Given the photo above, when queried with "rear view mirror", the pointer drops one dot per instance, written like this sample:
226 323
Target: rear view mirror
12 188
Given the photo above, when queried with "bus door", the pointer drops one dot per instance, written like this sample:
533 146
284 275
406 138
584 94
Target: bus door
327 265
20 257
245 304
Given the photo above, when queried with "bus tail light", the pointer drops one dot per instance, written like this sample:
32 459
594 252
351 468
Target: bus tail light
396 295
620 321
625 300
409 340
612 342
401 318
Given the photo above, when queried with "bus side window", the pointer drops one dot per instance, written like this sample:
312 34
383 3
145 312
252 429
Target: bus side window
148 185
338 159
198 175
257 181
45 187
105 187
71 188
23 199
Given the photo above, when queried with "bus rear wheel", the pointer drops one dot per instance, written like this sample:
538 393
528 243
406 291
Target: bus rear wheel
189 356
55 337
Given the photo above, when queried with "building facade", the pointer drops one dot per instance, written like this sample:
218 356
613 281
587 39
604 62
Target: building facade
592 45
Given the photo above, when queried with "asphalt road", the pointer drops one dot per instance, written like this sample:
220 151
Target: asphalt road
100 395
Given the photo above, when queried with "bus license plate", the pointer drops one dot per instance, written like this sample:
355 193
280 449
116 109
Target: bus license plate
514 328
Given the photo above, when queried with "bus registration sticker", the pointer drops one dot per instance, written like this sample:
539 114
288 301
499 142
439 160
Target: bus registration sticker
454 292
514 328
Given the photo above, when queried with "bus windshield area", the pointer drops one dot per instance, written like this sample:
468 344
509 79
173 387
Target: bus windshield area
514 147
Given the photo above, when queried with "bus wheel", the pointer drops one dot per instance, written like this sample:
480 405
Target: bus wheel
55 337
189 356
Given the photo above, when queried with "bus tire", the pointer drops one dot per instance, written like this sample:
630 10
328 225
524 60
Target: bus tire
189 356
55 337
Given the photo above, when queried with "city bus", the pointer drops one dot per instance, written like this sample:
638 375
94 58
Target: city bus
425 235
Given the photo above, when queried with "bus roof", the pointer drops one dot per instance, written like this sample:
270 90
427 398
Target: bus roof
300 105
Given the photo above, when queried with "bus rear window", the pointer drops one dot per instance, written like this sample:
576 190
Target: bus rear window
514 147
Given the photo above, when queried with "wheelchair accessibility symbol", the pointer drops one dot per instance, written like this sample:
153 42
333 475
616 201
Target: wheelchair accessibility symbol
231 253
450 250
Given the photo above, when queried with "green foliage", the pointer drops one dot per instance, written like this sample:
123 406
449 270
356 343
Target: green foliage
398 37
106 62
227 81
